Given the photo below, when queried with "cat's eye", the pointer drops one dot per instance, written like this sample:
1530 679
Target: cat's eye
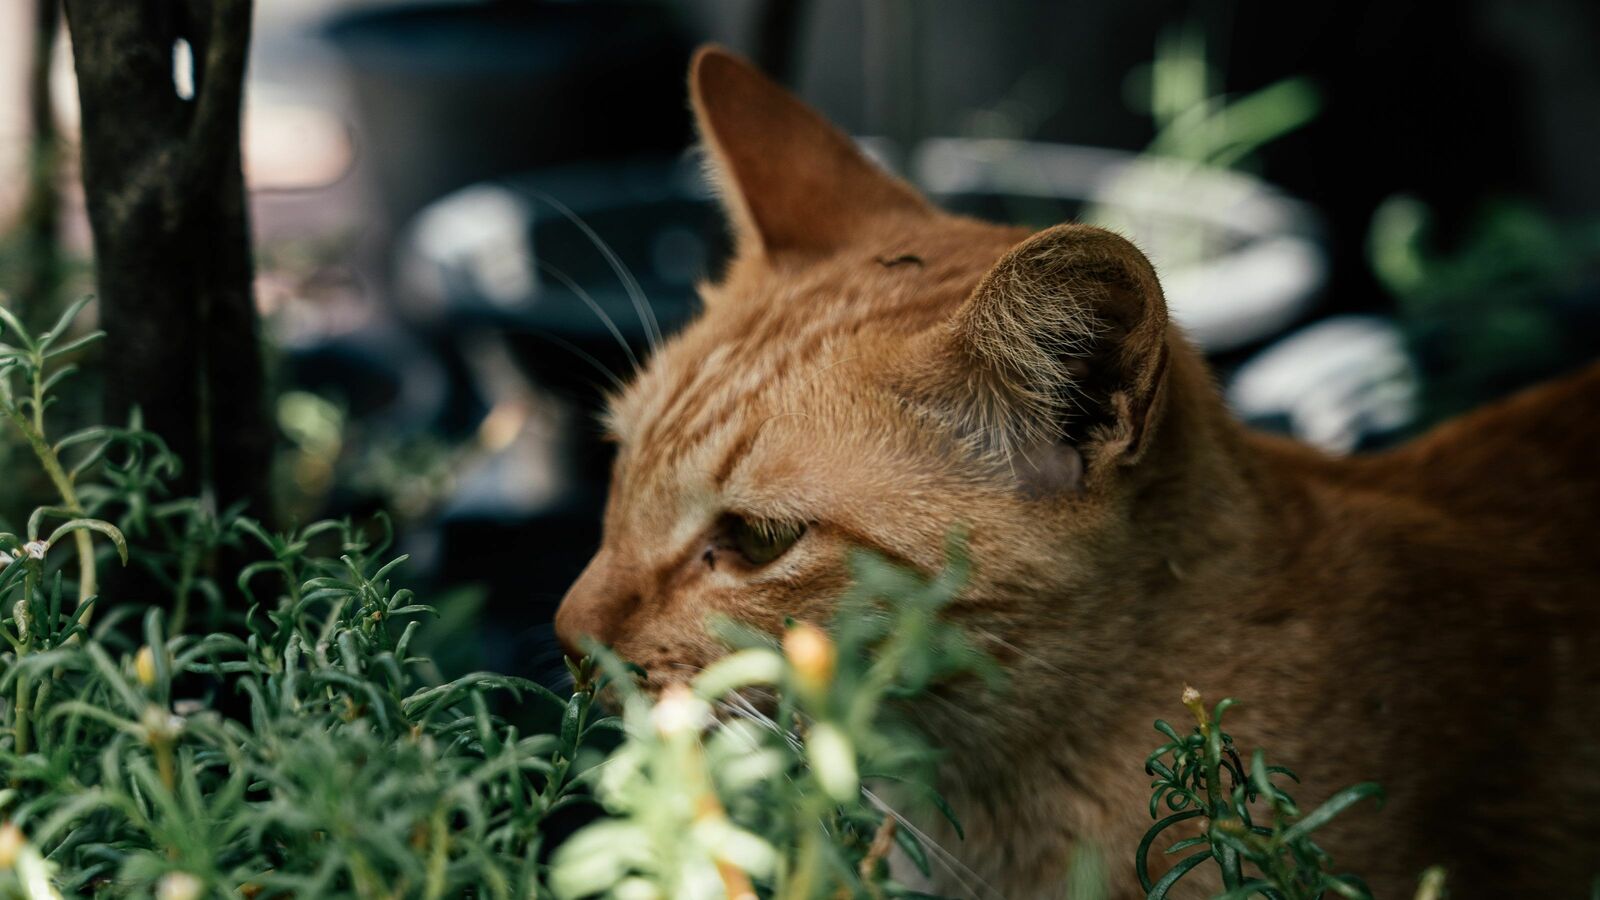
761 542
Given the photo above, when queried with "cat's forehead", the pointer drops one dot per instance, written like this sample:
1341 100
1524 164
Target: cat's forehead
783 390
745 357
765 324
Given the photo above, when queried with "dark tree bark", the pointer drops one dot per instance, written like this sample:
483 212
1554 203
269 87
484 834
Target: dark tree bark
166 200
39 269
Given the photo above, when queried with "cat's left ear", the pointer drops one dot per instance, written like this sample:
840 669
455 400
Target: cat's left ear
791 182
1058 360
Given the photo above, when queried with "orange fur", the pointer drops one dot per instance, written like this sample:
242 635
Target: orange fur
1424 617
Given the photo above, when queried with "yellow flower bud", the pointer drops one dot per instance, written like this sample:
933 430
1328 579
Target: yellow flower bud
11 843
813 656
144 666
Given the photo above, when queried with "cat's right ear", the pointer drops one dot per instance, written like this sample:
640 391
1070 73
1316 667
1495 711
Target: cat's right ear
791 182
1057 362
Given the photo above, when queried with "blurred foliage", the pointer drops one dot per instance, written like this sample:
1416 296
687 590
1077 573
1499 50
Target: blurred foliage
1196 121
325 451
1201 134
1515 300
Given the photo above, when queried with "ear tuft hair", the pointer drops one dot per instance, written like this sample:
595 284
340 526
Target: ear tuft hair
1063 341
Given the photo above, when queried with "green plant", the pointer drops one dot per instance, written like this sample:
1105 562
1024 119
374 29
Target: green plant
304 751
26 358
1507 303
303 755
781 798
344 774
1202 134
1275 842
1195 122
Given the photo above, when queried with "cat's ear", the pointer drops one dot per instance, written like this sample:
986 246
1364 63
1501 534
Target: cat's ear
791 181
1059 357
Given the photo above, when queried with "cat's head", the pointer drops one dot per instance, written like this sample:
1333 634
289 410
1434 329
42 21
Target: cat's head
871 372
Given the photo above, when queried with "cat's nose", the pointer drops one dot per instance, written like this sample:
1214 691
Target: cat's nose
595 608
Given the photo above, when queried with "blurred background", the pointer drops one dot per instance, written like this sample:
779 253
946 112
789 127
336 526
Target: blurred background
471 216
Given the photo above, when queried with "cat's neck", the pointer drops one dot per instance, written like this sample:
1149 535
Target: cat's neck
1208 514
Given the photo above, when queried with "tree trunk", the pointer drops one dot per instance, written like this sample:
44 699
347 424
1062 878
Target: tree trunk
166 200
39 272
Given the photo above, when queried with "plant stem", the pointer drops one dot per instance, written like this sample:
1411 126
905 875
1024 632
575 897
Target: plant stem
164 763
180 609
1216 794
438 855
21 712
33 431
39 700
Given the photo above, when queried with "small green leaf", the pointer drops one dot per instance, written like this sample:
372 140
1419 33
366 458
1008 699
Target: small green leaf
1159 890
64 321
1141 859
98 525
1336 804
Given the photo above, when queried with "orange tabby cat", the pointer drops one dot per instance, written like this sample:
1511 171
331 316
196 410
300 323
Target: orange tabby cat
873 372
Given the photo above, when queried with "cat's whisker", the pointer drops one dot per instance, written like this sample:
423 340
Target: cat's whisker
594 307
773 418
584 355
751 714
641 304
749 711
1031 657
554 679
743 707
823 370
960 713
548 661
949 861
740 706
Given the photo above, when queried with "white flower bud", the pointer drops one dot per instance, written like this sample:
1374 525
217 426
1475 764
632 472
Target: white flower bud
179 886
679 711
834 761
737 670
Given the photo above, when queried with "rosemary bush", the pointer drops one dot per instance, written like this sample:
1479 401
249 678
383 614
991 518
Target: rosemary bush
304 751
301 754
